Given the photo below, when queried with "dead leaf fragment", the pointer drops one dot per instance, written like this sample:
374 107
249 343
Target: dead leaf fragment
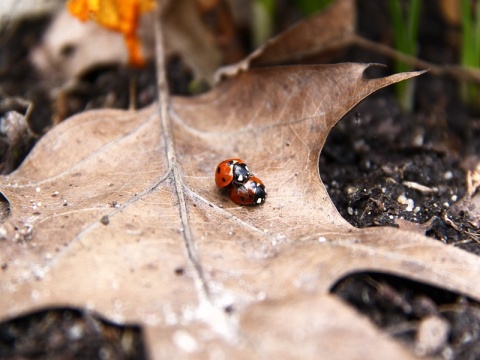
470 203
325 31
14 138
218 17
15 133
186 34
70 48
473 180
415 227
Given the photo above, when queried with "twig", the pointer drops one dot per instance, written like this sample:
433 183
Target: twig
458 72
419 187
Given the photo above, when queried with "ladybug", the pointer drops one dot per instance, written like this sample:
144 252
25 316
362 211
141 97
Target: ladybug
231 171
252 192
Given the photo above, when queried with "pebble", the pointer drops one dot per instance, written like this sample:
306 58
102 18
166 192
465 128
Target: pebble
432 335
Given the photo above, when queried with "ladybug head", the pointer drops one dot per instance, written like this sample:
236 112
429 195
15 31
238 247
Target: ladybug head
241 174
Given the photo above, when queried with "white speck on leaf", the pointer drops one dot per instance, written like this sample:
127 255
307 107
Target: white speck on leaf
184 341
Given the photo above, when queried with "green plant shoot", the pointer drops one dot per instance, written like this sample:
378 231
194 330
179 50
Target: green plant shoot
470 50
310 7
405 27
263 19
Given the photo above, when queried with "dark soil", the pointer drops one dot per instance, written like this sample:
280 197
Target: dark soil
379 165
399 306
375 158
63 334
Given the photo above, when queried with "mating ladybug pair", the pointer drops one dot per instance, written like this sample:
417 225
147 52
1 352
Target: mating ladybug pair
244 188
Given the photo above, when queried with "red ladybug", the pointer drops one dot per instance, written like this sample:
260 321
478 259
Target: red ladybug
252 192
231 171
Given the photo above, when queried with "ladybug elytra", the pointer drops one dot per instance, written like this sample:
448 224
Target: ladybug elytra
252 192
231 171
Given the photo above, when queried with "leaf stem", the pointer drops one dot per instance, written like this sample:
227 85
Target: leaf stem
173 166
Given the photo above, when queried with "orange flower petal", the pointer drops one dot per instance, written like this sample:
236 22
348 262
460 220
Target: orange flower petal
116 15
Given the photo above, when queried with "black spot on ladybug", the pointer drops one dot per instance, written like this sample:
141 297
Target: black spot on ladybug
218 170
242 198
223 180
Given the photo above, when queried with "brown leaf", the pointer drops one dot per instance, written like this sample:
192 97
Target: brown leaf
117 212
323 31
415 227
187 34
328 30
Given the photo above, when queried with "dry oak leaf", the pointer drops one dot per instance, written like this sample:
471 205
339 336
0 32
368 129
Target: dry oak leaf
254 281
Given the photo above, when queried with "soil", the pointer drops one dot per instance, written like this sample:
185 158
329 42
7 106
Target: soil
63 334
381 167
400 307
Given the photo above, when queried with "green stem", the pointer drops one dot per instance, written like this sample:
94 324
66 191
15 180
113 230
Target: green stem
405 28
470 50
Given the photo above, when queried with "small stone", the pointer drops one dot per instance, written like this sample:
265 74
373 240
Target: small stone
448 175
418 140
402 199
410 205
350 190
432 335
